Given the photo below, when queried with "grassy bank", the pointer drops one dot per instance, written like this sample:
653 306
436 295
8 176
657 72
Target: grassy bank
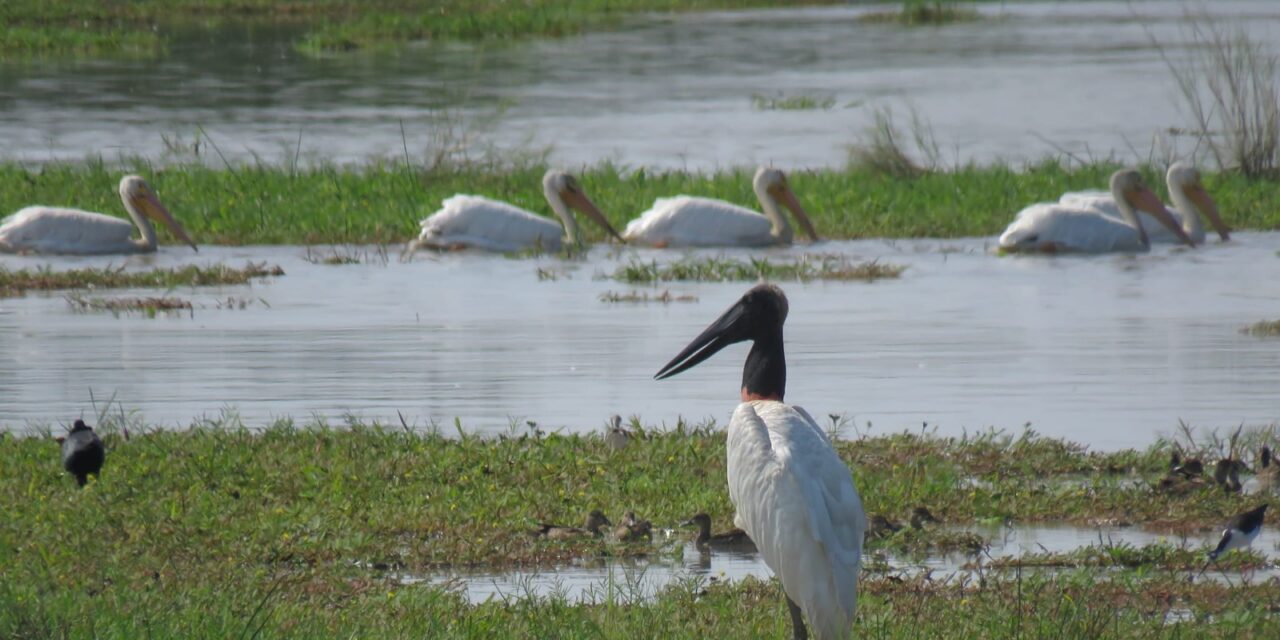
297 529
142 27
382 203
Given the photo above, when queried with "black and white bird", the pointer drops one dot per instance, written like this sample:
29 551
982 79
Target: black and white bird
82 452
1239 534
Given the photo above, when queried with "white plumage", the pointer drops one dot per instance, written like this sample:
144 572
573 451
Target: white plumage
690 221
796 500
1079 226
482 223
57 230
1190 201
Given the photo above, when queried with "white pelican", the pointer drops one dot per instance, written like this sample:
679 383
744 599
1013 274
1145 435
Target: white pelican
794 497
481 223
40 229
1190 201
688 221
1052 227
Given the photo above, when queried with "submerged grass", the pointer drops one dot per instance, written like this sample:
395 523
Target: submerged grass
802 102
222 529
645 297
18 282
923 13
1263 329
810 266
381 203
150 306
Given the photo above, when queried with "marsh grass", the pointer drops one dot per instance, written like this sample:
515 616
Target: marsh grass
923 13
342 255
149 306
1262 329
884 150
223 529
802 102
382 202
644 297
19 281
807 267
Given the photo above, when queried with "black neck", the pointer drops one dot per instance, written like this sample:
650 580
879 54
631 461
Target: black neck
765 373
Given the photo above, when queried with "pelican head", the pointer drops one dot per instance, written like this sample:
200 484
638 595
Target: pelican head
758 316
563 192
1131 193
140 200
771 187
1184 184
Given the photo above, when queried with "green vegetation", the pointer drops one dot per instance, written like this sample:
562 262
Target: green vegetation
645 297
1263 328
150 306
382 203
17 282
301 530
916 13
791 103
96 28
810 266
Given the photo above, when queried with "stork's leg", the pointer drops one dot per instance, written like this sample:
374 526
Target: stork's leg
797 620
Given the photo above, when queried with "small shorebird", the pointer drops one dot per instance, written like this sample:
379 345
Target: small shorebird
1239 534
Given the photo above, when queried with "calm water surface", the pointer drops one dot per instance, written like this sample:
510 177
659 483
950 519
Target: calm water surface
667 92
1110 351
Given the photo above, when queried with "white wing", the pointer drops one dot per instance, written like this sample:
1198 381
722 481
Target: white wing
796 499
482 223
1104 203
40 229
688 221
1067 228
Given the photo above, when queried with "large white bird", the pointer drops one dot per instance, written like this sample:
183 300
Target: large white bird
40 229
688 221
793 494
1190 201
1051 227
481 223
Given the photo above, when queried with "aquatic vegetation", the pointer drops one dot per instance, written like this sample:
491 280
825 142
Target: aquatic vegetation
644 297
382 202
150 306
917 13
1263 328
802 102
810 266
17 282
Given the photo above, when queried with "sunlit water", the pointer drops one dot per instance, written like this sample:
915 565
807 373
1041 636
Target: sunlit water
1033 79
1111 351
674 562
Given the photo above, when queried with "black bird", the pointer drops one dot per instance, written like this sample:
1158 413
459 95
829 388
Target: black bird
1226 474
82 452
734 538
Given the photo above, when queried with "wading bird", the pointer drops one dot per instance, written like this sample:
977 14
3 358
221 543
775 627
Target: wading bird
1190 201
466 221
1052 227
41 229
735 538
1239 534
689 221
82 452
794 497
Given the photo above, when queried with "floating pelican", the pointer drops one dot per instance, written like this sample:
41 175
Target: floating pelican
794 495
1052 227
1190 201
40 229
688 221
481 223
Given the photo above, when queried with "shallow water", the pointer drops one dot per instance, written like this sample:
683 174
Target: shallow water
633 579
1110 351
669 92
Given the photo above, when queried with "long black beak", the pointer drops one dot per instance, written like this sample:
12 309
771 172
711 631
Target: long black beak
728 329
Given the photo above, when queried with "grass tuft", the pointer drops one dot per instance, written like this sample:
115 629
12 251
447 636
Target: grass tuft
1263 328
923 13
781 102
644 297
18 282
150 307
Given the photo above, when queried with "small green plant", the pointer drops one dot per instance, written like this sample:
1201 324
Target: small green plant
792 103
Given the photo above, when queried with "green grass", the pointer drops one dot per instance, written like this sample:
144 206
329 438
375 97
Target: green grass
1263 328
801 102
222 530
96 28
151 306
723 269
923 13
381 203
17 282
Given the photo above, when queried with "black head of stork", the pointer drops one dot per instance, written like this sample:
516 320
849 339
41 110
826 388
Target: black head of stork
758 316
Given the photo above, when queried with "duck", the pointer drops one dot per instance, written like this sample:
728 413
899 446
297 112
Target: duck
1226 474
734 538
632 529
882 527
920 516
591 527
